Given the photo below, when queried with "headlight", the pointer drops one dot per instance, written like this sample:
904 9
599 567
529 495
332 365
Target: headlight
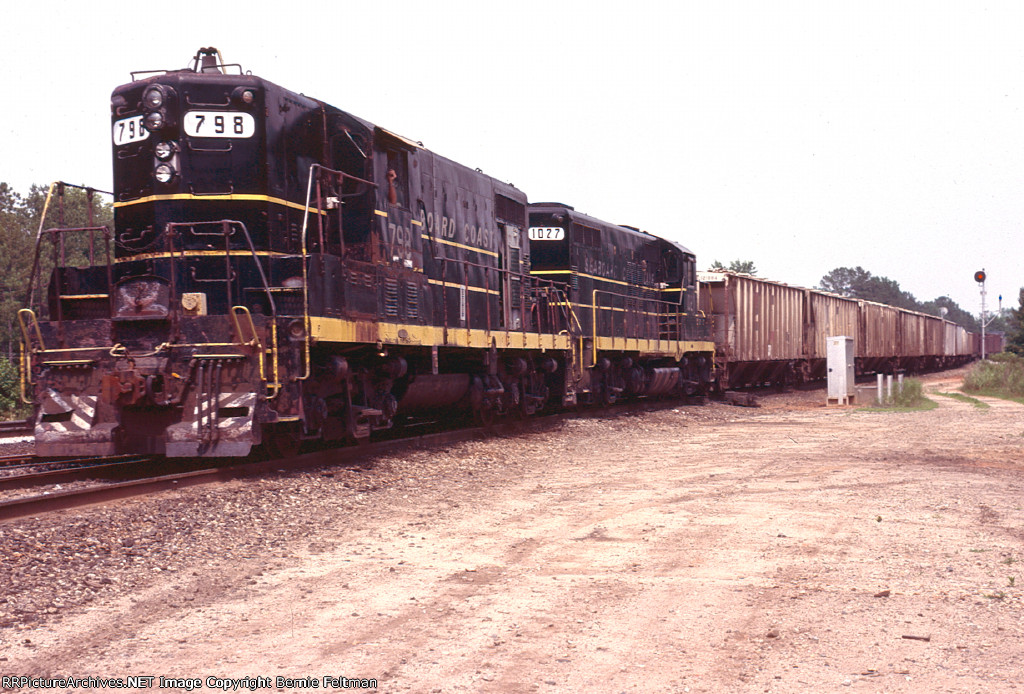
154 121
163 150
153 98
247 96
164 173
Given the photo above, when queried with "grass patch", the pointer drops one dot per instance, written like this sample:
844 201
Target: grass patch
925 405
966 398
1000 377
1001 395
908 399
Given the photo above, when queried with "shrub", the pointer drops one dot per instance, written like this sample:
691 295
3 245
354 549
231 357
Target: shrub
10 393
1004 376
912 394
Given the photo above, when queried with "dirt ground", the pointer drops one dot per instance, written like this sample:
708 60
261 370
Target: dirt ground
787 548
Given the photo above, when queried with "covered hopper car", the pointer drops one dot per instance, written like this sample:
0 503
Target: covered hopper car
767 332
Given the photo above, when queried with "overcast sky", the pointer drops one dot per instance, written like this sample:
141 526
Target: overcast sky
803 136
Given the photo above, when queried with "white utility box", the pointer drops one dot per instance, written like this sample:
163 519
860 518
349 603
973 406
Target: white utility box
842 387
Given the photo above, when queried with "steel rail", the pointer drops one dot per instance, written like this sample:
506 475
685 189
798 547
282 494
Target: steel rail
15 426
335 457
70 474
41 504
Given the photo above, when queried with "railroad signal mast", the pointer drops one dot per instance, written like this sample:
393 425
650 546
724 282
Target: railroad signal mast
979 277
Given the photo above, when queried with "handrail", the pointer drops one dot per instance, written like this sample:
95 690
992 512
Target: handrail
235 312
678 337
25 334
25 353
60 186
306 321
228 227
25 377
56 235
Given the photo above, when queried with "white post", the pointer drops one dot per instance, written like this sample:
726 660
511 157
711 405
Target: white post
880 399
979 277
888 385
900 379
983 292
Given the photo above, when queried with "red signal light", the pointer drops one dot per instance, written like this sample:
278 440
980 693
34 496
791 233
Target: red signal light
979 276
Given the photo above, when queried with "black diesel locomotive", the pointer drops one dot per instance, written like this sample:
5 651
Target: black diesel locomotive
280 270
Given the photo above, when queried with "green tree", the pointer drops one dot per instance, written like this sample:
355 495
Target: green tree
1015 328
858 283
846 281
10 390
16 250
20 221
745 267
953 312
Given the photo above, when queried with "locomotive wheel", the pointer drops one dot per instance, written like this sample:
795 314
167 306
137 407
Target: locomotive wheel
485 416
282 440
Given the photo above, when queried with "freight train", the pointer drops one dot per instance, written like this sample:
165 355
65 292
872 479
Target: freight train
281 271
770 333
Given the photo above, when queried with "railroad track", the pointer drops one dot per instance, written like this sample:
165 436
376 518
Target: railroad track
190 472
36 473
9 461
119 488
14 427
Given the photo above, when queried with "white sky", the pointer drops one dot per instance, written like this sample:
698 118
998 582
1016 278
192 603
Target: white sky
801 135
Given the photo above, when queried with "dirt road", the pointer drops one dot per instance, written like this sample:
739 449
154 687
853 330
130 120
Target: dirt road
705 549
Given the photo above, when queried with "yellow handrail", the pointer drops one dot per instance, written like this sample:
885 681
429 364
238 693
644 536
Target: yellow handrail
26 375
254 342
25 335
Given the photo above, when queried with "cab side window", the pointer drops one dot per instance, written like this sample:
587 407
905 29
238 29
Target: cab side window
398 177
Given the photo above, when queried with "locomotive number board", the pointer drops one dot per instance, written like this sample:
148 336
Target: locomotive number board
128 130
546 233
219 124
